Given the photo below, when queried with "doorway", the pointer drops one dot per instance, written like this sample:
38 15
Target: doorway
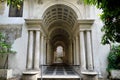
59 55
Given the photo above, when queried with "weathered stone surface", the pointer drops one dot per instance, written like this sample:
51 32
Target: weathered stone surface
2 7
14 78
2 61
115 74
11 32
89 75
30 75
6 73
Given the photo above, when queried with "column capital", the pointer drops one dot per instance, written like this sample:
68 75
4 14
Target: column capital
86 21
30 30
37 30
87 30
81 30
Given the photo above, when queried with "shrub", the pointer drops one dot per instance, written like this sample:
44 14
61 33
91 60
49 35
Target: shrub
5 48
114 58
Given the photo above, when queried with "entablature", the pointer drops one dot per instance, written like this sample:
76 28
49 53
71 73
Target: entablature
35 24
85 24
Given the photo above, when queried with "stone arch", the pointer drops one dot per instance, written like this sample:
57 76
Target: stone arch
59 27
53 2
59 34
59 20
62 44
59 14
59 43
59 54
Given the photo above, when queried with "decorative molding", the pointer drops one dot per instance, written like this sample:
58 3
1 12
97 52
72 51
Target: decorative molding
86 21
85 24
33 21
90 73
35 24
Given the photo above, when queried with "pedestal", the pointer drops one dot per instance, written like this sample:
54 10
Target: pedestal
6 73
115 74
30 75
87 75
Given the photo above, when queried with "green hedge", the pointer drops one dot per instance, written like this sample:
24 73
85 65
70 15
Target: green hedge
114 58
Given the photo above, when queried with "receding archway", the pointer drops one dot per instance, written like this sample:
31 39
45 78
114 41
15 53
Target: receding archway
59 21
58 54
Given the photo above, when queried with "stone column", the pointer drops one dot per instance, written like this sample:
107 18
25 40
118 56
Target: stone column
89 51
77 50
74 51
82 51
37 50
70 51
48 52
42 49
30 50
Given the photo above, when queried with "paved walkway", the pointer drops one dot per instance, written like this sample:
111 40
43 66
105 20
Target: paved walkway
60 71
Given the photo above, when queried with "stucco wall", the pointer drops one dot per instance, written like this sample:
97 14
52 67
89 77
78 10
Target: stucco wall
16 30
38 8
18 61
100 52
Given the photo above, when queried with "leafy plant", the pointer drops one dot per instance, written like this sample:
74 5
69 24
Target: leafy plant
114 58
110 17
16 3
5 48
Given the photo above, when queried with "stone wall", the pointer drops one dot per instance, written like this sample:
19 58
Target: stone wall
11 32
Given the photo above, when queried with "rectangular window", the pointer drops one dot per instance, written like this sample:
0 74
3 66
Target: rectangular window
14 11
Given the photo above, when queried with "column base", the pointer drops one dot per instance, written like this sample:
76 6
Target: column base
89 75
30 75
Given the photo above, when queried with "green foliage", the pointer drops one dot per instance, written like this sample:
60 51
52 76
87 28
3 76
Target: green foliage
13 2
114 58
110 17
5 47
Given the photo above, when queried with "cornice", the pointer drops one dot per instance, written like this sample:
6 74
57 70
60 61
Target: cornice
86 21
33 21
